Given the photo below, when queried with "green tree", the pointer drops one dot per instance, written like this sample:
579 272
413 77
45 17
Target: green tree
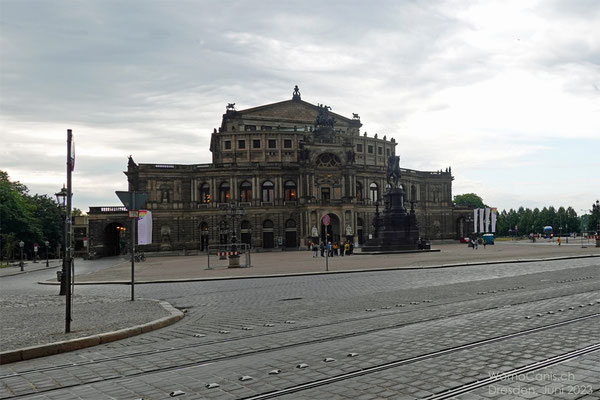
592 222
30 219
469 200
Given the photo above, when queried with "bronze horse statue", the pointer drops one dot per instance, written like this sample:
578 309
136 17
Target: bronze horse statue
393 171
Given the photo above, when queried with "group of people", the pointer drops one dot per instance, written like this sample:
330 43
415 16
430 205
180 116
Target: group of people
475 243
332 249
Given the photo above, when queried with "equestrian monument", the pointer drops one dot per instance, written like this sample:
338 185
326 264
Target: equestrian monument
396 231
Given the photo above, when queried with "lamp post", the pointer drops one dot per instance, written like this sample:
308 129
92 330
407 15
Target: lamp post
47 259
233 210
596 212
21 245
61 199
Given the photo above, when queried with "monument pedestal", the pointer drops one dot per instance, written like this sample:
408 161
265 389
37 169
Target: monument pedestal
396 229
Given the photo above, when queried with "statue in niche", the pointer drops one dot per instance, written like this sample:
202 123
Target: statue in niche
314 231
351 156
348 230
165 234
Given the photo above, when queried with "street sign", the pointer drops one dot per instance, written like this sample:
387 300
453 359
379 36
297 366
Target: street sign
139 199
326 220
35 247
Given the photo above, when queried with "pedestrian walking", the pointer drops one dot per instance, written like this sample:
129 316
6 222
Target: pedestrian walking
347 248
322 248
315 249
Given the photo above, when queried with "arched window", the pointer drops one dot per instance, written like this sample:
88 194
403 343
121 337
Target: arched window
413 193
359 191
289 190
205 193
267 191
374 191
224 193
328 160
268 224
246 191
290 223
245 225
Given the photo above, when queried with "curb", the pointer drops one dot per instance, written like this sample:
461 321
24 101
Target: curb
300 274
49 349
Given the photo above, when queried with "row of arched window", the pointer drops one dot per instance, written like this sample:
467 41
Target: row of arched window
245 225
245 193
268 190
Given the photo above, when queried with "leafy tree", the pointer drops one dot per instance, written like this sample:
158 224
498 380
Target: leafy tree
592 223
30 219
469 200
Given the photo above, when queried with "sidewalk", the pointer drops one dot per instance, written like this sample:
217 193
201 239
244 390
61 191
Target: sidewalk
173 269
29 266
38 321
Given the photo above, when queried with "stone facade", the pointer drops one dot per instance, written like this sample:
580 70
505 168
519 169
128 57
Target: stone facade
286 164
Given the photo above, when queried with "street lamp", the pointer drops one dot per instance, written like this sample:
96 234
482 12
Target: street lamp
596 212
47 260
21 245
233 210
61 199
532 234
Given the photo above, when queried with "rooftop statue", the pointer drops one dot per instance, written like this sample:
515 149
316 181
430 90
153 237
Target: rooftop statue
296 94
323 118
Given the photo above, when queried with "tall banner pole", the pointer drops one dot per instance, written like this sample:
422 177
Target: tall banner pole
68 232
475 212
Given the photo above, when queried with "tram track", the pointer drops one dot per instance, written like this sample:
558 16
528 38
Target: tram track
373 369
443 395
134 355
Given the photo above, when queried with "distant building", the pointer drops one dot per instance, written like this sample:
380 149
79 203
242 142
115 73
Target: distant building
287 164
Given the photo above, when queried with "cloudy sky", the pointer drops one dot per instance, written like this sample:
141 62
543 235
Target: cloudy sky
507 93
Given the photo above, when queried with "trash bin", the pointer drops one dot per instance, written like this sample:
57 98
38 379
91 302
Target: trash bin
59 275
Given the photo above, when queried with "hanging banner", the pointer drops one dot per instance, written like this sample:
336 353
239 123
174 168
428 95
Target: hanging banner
481 211
475 220
487 220
494 216
144 227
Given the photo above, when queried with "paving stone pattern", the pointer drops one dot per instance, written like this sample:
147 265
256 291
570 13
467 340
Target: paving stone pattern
334 316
